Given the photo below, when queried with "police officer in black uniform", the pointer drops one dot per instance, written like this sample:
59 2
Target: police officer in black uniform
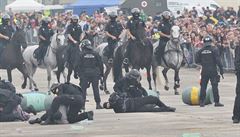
45 33
70 96
6 32
130 84
90 70
236 109
75 35
113 30
209 59
132 25
164 29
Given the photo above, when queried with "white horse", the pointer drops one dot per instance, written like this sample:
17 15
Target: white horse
49 61
172 59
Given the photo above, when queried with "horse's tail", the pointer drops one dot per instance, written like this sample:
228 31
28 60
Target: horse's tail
117 64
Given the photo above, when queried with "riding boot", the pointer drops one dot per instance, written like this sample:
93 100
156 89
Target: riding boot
98 106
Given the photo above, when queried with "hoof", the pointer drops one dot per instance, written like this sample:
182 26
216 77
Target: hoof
101 87
24 86
177 93
107 92
36 89
166 88
158 92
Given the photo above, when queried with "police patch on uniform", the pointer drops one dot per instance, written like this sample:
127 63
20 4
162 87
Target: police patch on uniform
89 56
206 52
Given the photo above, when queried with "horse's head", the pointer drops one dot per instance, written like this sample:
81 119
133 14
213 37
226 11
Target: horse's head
58 40
19 38
175 33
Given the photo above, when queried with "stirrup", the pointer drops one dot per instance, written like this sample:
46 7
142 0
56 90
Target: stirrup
125 61
110 61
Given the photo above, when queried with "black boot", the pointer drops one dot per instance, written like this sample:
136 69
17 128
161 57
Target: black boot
202 103
31 109
35 121
98 106
218 104
90 115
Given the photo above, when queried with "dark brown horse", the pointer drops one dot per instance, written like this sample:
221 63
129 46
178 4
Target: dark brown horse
12 58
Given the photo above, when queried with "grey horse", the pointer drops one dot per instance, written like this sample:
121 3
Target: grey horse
172 59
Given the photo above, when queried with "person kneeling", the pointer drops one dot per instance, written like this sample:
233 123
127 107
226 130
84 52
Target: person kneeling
70 99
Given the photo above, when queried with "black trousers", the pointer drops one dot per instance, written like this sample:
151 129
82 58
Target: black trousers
74 102
145 104
84 83
236 109
160 49
111 46
214 79
71 52
7 114
43 47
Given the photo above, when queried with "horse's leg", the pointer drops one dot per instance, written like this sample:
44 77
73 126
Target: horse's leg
69 73
49 76
176 82
149 77
154 75
108 69
9 73
164 72
64 76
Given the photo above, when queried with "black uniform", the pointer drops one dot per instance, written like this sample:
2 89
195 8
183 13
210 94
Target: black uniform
114 29
47 33
7 31
131 88
164 27
75 30
123 104
8 101
70 96
236 110
90 69
209 58
133 25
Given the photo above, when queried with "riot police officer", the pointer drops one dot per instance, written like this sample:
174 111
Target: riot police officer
236 109
90 70
132 25
6 32
130 84
70 96
45 33
209 59
164 29
75 35
113 30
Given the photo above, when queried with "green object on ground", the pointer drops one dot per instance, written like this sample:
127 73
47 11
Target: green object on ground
153 93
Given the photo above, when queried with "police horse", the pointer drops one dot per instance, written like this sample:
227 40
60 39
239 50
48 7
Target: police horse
11 57
49 61
140 55
101 49
172 59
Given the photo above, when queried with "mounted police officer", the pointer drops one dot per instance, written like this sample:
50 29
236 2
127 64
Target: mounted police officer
45 33
113 30
132 26
209 59
164 29
75 35
6 32
90 70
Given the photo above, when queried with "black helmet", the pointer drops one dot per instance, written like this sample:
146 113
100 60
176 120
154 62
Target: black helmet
207 39
86 44
5 19
135 12
46 21
134 74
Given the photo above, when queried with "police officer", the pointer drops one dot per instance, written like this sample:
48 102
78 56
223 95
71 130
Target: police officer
90 70
164 29
132 25
209 59
6 32
236 109
113 30
75 35
70 96
130 84
45 33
